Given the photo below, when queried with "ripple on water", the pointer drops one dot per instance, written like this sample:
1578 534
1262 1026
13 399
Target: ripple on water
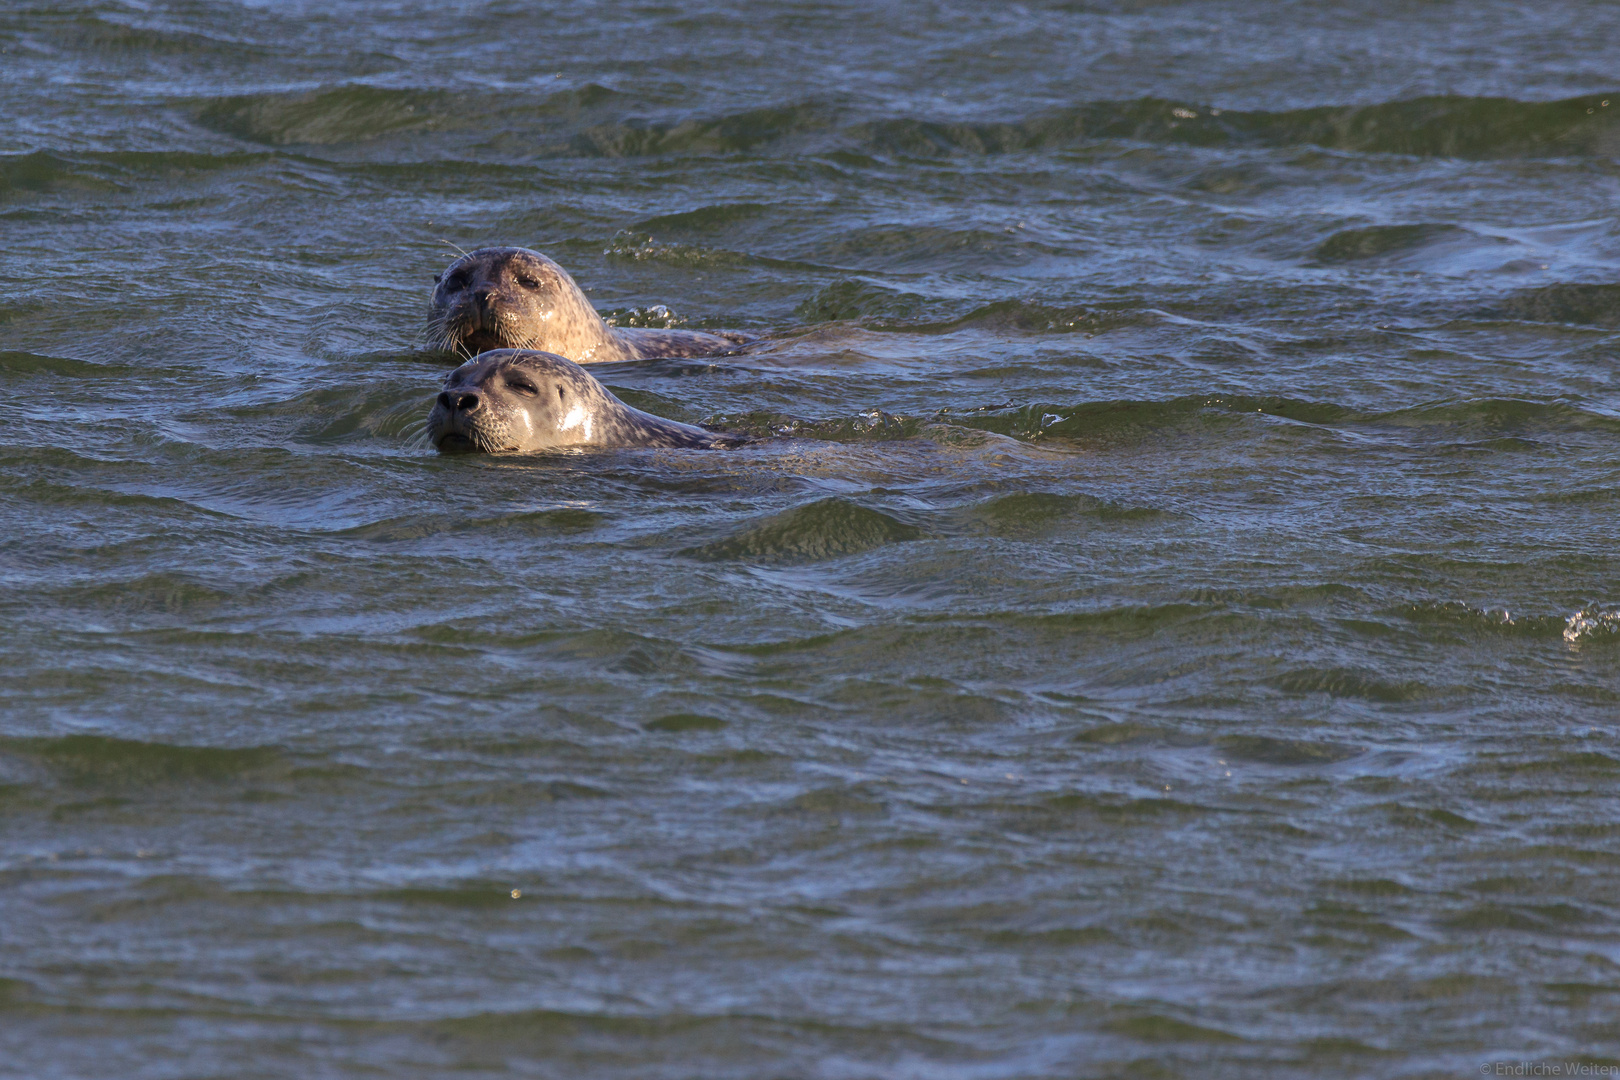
1163 625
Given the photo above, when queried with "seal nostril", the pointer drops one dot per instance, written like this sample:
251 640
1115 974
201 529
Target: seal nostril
444 399
467 402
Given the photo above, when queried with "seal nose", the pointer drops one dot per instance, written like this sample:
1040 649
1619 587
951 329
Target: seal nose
459 402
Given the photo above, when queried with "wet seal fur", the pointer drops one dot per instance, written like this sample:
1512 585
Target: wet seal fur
523 400
514 298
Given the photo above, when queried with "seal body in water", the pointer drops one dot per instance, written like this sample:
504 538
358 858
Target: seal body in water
514 298
523 400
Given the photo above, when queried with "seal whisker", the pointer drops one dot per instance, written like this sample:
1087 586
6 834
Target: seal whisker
434 334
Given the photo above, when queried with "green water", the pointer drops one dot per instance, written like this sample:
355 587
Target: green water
1167 626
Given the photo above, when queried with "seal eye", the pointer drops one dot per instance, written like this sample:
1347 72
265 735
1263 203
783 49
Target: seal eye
522 386
527 281
456 282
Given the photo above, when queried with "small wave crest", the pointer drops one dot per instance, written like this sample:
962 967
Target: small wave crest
1399 244
878 307
357 113
920 246
39 172
595 122
108 36
654 316
322 118
42 177
733 133
1591 625
1502 422
643 247
1599 622
103 760
824 529
1581 305
1438 126
850 299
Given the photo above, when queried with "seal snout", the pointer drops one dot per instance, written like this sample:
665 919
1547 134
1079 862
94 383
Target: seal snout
459 401
525 400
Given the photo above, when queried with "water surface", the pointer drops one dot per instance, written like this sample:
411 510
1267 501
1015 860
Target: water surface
1166 626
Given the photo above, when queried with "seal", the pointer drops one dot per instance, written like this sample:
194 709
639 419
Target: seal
514 298
523 400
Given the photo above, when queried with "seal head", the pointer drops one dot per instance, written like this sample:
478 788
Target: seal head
522 401
514 298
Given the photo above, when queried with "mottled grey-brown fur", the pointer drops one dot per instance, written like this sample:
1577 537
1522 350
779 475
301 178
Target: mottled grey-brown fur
514 298
524 400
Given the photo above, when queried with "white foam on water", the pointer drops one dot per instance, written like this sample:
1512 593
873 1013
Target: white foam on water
1589 623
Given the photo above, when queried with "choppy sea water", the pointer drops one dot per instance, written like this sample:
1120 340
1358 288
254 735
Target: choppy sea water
1166 627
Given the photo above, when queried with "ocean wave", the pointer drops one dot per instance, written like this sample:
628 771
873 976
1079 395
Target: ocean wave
331 415
825 529
881 307
1447 126
738 132
1581 305
92 173
593 121
15 362
1590 625
1271 750
908 246
1505 420
348 114
359 112
1438 126
101 760
835 527
98 34
1498 417
1031 513
1396 244
643 247
1465 620
1344 682
720 218
1470 418
40 172
850 299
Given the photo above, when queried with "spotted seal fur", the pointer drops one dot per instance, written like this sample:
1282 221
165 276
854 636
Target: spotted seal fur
524 400
514 298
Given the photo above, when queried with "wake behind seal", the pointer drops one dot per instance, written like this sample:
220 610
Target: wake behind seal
514 298
523 401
